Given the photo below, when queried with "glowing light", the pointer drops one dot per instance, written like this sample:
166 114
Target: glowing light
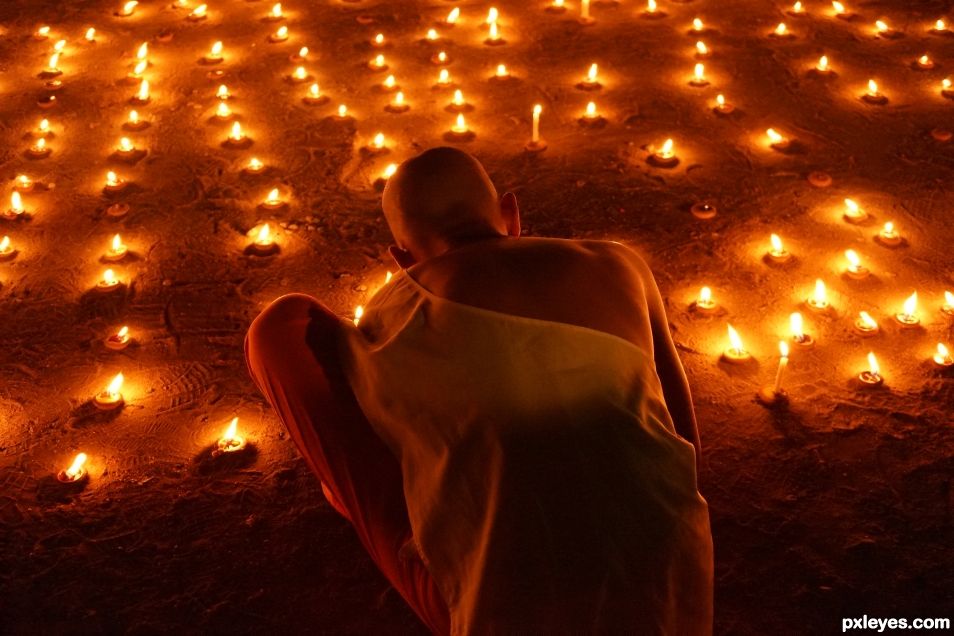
114 388
142 95
387 174
16 205
535 135
701 49
882 27
939 27
264 236
112 181
378 63
143 51
300 74
819 298
236 134
378 142
651 6
52 66
797 325
223 92
494 34
303 53
909 311
889 235
443 78
925 62
342 111
23 182
76 471
736 351
90 35
127 9
398 102
873 88
704 301
822 65
865 322
39 149
117 249
948 307
458 99
215 52
697 25
280 34
42 33
853 211
460 124
231 441
492 15
254 165
441 57
276 12
502 71
667 150
6 249
854 263
358 313
223 111
699 75
592 78
432 35
839 8
798 8
389 83
590 112
139 69
873 374
273 200
942 357
781 30
452 17
199 13
43 128
776 139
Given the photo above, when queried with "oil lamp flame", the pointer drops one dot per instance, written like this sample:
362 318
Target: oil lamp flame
839 8
223 111
777 247
117 243
701 48
822 64
116 385
781 29
854 261
797 326
502 70
76 470
236 133
143 93
697 24
819 298
273 198
378 141
942 356
90 34
735 342
16 203
389 171
222 92
231 441
699 72
453 16
882 26
492 15
774 136
460 125
705 298
591 74
873 88
910 307
591 111
940 26
342 110
264 236
667 149
358 313
873 367
866 322
128 8
276 10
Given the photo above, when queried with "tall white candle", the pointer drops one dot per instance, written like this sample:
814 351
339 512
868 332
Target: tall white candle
535 138
782 363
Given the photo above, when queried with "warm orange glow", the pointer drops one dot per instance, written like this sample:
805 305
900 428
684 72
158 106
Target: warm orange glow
42 33
264 236
387 174
797 325
389 82
697 25
854 261
236 133
233 425
117 244
215 52
231 440
819 298
126 146
949 301
90 35
143 93
882 26
128 8
378 142
5 248
111 179
276 12
667 151
460 125
115 386
442 57
591 74
910 307
502 71
358 313
378 39
873 88
873 366
651 6
705 298
432 34
223 111
223 92
823 64
853 210
23 182
865 321
52 65
443 78
398 101
494 34
388 276
924 60
591 112
273 198
300 73
314 92
16 203
701 49
781 29
735 343
774 136
254 165
699 73
199 12
797 8
839 8
492 15
453 16
342 110
303 53
76 470
378 62
940 26
777 247
942 355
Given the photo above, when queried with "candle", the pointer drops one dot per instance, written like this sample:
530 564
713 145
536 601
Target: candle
126 149
939 28
652 10
134 121
722 107
113 183
43 128
119 340
39 149
431 35
781 31
52 69
378 63
214 56
493 36
342 111
378 40
142 95
314 96
908 316
458 104
127 9
591 115
199 13
117 250
697 26
7 251
872 96
378 144
855 269
275 13
702 51
459 131
223 92
16 208
665 156
840 10
76 473
280 35
924 62
501 72
853 212
777 252
699 76
872 377
443 79
273 200
799 336
704 303
110 397
300 56
782 364
818 301
882 29
777 140
556 6
263 244
888 236
703 210
254 166
299 75
822 66
942 357
591 80
386 174
230 441
797 9
947 90
223 112
138 70
358 313
23 183
108 282
536 144
440 58
389 84
237 136
42 33
865 325
736 352
397 105
585 17
452 17
948 306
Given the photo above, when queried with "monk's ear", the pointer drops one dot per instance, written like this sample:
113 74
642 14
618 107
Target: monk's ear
402 257
511 213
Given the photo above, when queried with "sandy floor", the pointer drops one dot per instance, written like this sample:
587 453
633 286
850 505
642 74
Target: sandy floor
839 506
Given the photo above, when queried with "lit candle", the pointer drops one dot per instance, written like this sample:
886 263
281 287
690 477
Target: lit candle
493 36
854 213
110 397
90 35
138 70
882 29
702 51
591 115
797 9
397 105
126 148
280 35
872 96
134 121
777 140
300 56
888 236
342 111
823 66
378 144
275 13
7 251
723 107
378 63
908 316
263 244
108 282
697 26
389 84
23 183
199 13
947 89
254 166
42 33
440 58
536 144
299 75
231 441
924 62
855 269
781 31
76 472
39 149
865 325
872 377
119 340
444 79
591 80
699 76
142 95
358 313
127 9
501 72
818 301
492 15
458 104
314 96
939 28
799 336
664 156
840 10
42 128
387 277
117 250
378 40
388 172
237 136
214 56
777 252
782 364
942 357
459 130
113 183
432 35
556 6
273 200
452 17
652 10
736 351
16 209
948 306
223 112
223 92
585 17
704 303
52 67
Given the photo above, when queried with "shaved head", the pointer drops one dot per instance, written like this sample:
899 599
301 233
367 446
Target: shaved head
440 197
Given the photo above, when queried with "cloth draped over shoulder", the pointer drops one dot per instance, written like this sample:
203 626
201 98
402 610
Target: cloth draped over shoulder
546 487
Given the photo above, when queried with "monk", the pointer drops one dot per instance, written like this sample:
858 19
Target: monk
508 428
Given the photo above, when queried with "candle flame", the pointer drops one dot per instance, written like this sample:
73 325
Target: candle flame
853 208
378 141
442 57
431 34
389 81
200 11
873 367
697 24
300 73
911 305
502 70
314 92
797 325
264 236
142 51
16 203
774 136
255 164
949 299
143 93
115 385
705 296
342 110
222 92
591 109
701 48
223 110
781 29
140 68
735 342
277 10
378 60
822 63
109 277
303 52
453 16
236 132
650 6
122 333
946 84
872 87
820 295
838 7
128 8
232 428
40 144
54 60
358 313
783 348
90 34
125 145
492 15
853 259
76 468
5 244
387 174
59 45
44 126
942 356
460 125
281 33
216 50
494 32
882 26
888 228
776 241
699 72
273 197
667 149
112 179
117 244
866 320
797 7
940 26
720 100
444 76
923 60
591 75
399 99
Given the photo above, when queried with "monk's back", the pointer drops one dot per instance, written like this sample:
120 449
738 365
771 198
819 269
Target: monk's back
592 284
